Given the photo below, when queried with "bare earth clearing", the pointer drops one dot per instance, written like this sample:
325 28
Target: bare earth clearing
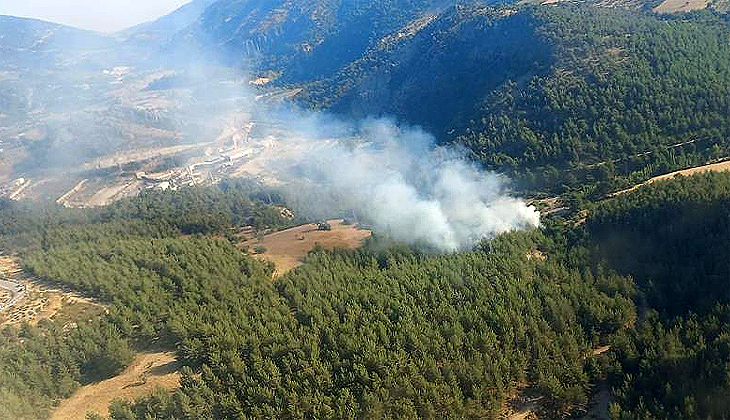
288 248
147 372
42 301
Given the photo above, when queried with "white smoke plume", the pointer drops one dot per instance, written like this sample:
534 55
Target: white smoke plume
399 182
391 177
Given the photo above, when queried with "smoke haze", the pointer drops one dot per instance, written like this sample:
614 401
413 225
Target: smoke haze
389 176
397 180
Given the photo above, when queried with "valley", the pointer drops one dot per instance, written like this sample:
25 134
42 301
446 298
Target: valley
156 139
237 152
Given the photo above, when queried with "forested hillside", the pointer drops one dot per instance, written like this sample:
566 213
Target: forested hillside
353 334
153 214
630 96
563 98
616 303
300 39
40 364
672 237
388 333
461 55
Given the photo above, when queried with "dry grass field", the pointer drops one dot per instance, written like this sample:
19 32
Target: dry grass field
288 248
678 6
147 372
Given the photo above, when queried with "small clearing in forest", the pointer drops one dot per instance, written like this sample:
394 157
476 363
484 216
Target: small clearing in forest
288 248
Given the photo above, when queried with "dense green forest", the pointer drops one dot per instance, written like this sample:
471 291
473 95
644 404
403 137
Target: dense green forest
353 334
630 96
195 210
41 364
672 238
677 234
376 333
389 331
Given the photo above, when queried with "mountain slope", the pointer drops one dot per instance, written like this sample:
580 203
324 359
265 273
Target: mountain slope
302 38
37 58
549 93
437 70
23 40
629 96
161 29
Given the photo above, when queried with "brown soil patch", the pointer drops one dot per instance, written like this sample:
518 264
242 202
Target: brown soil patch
712 167
43 301
288 248
147 372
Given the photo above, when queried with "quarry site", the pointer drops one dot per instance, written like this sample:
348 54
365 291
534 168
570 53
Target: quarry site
235 153
153 137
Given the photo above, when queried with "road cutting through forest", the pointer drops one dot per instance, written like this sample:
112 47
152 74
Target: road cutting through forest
711 167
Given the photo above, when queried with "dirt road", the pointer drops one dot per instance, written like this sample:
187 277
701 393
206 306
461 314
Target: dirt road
712 167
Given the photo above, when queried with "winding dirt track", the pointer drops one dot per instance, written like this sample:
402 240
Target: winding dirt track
712 167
